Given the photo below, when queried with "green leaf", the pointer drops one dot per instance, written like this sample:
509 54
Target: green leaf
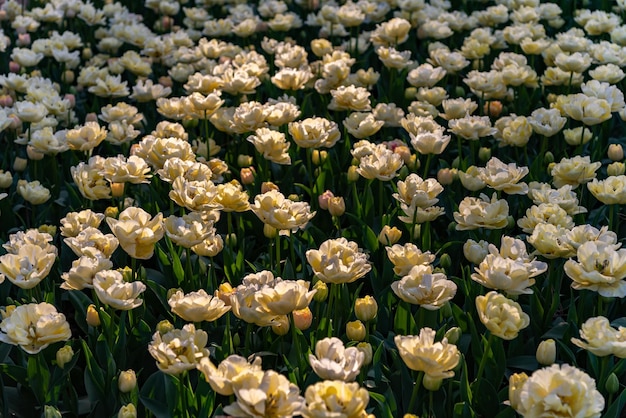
485 398
617 407
528 363
383 404
94 377
17 373
156 395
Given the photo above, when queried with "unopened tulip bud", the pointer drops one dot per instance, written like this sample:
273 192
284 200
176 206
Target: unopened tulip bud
224 291
493 109
323 199
294 197
91 117
368 353
112 212
404 152
127 381
280 325
445 176
389 235
322 291
302 318
267 186
365 308
14 67
19 164
612 384
355 330
453 335
484 154
413 163
68 76
164 327
86 53
616 169
117 189
34 154
190 123
244 160
127 411
93 318
550 167
231 239
319 157
6 179
6 100
432 383
247 175
546 352
336 206
166 81
445 261
616 152
50 411
48 229
269 231
548 157
353 175
64 355
410 93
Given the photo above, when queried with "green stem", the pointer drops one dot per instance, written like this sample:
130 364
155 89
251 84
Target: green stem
483 360
414 394
427 165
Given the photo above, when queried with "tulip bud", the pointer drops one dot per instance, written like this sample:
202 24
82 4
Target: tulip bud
231 239
410 93
389 235
612 384
484 154
323 199
616 152
87 53
224 291
493 109
164 327
19 164
453 335
112 212
550 167
302 318
616 169
51 412
280 325
93 318
244 160
14 67
247 175
366 349
267 186
336 206
117 189
353 175
432 383
127 411
319 157
445 176
365 308
474 251
48 229
269 231
64 355
413 163
355 330
445 261
548 157
127 381
322 291
516 381
6 179
68 76
6 100
91 117
546 352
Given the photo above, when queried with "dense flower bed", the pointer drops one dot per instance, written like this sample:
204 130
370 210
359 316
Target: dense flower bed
312 208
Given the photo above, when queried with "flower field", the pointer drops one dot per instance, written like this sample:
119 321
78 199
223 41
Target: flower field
311 208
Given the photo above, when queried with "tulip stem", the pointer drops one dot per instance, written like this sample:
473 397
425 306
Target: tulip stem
427 165
483 360
416 388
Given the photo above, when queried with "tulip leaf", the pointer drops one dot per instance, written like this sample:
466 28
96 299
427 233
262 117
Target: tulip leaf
528 363
484 398
94 378
16 373
385 403
617 408
158 395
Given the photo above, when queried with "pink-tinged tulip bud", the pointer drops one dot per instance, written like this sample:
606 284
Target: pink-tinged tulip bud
6 100
70 98
266 186
166 81
303 318
445 176
23 39
91 117
14 67
323 199
247 175
493 109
